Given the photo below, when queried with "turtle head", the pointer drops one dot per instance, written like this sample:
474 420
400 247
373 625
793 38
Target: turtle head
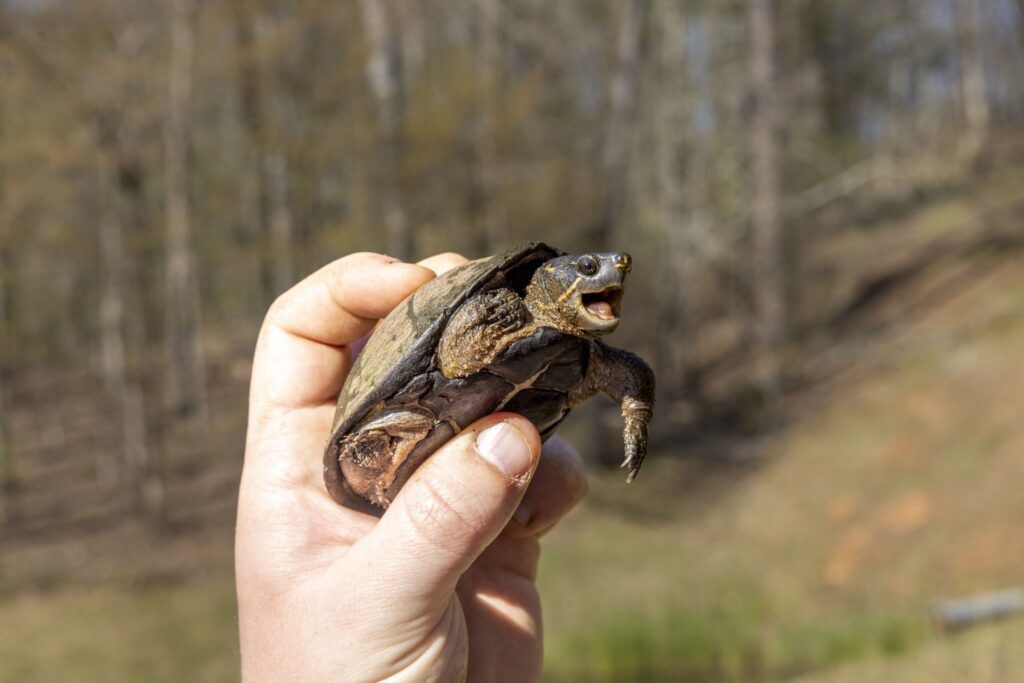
579 295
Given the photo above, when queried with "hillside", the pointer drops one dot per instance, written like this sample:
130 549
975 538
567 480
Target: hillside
896 482
892 480
992 654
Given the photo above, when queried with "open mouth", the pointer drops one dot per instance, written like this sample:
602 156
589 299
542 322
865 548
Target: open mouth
603 305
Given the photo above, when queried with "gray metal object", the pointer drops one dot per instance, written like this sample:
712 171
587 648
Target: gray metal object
954 615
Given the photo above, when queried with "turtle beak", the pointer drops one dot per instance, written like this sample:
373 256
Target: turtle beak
601 296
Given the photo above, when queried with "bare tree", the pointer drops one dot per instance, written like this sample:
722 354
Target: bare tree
1020 20
6 460
972 79
484 186
413 38
120 325
261 123
185 374
383 74
275 172
620 120
767 231
909 70
672 140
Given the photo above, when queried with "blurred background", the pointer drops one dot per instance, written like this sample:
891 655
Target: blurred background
825 205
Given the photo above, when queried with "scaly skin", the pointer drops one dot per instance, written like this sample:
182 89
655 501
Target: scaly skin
629 381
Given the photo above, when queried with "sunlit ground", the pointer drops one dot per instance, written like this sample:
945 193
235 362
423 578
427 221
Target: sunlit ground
897 484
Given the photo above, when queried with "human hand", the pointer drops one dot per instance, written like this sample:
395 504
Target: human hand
441 586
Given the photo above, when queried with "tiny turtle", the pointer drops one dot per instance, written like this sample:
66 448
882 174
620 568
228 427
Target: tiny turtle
514 332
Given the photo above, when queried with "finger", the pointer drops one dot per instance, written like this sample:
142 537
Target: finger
520 556
300 356
451 509
503 616
559 484
442 263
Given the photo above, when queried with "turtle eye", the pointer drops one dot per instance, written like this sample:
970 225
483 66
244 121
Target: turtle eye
587 265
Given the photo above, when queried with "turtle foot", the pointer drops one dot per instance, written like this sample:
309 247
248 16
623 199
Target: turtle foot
635 437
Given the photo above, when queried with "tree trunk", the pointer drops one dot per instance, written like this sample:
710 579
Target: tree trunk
619 123
674 157
269 209
274 168
112 342
275 174
122 333
910 70
972 79
769 290
484 187
6 459
186 390
7 476
1020 20
383 75
416 16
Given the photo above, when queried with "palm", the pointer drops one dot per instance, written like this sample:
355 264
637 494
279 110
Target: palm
489 595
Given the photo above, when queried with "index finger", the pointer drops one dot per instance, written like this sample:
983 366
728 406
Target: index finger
442 263
301 356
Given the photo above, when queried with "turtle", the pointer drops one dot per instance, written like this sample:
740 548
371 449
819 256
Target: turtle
513 332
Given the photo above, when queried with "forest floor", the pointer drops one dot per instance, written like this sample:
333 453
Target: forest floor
893 481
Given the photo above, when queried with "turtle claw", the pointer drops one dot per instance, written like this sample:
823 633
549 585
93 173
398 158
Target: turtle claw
633 463
634 436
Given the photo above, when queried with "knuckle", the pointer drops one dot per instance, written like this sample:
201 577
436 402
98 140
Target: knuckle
363 257
452 256
445 517
278 306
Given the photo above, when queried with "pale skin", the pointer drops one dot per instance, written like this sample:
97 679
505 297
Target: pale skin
441 587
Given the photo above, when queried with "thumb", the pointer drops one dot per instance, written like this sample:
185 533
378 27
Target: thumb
452 508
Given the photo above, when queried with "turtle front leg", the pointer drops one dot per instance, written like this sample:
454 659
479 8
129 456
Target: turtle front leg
629 381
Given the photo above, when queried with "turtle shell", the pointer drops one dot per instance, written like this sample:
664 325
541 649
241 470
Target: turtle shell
405 343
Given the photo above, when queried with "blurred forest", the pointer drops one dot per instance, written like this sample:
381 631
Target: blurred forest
167 169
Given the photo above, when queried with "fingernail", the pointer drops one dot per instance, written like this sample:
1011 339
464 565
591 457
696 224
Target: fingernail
506 448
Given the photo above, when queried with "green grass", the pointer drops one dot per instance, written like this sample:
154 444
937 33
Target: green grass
117 633
669 599
719 645
994 653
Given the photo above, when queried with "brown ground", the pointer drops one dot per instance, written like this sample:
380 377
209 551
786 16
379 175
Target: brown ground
893 478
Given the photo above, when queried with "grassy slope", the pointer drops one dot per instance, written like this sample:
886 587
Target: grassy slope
898 484
995 654
903 489
118 633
